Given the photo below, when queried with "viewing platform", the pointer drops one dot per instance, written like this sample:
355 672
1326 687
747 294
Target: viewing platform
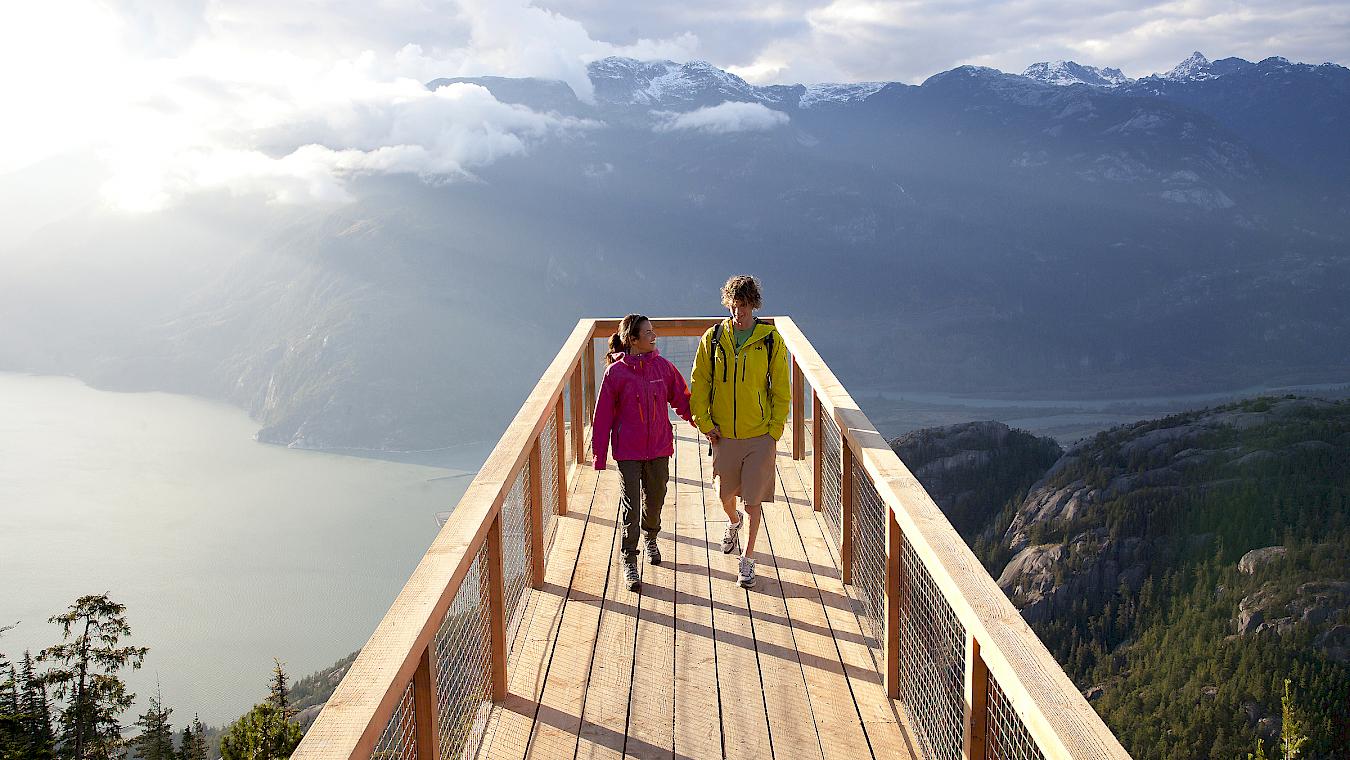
871 631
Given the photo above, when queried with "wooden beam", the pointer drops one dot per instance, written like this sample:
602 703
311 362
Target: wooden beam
816 431
578 410
536 514
667 327
561 456
798 429
424 710
496 580
976 702
588 373
894 597
846 512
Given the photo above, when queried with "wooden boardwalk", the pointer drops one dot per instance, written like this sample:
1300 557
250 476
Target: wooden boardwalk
693 666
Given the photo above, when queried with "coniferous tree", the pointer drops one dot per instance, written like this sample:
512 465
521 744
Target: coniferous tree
11 727
193 743
36 718
155 741
1293 734
281 691
260 734
85 676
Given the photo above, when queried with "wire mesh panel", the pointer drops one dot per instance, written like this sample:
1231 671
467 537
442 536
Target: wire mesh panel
932 660
548 472
831 484
1005 735
680 350
567 424
516 554
869 553
462 676
399 740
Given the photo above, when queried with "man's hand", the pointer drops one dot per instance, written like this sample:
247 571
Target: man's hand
714 435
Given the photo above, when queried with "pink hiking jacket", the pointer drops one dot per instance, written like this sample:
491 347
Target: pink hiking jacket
632 408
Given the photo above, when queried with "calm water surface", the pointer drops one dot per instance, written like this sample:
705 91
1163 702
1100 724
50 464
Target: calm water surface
227 552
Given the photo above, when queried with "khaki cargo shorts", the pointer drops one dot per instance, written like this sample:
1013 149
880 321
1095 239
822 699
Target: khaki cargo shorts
744 467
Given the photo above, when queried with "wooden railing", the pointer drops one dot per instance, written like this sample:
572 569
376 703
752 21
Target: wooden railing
971 678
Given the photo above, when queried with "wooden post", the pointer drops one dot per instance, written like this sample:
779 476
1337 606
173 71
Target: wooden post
894 568
496 609
424 709
816 432
558 424
588 372
845 511
976 702
536 514
578 416
798 429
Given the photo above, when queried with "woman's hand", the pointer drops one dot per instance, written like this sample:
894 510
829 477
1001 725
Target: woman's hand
714 435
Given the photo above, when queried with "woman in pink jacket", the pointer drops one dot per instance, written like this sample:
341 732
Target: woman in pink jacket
639 385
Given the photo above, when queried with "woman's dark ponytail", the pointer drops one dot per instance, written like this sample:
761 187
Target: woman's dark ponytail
630 327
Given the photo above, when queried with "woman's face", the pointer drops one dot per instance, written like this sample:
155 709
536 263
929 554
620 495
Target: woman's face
645 340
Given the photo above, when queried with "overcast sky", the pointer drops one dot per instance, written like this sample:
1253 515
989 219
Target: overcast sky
289 97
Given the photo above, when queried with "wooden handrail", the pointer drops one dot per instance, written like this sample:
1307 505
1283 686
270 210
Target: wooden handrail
1056 715
361 706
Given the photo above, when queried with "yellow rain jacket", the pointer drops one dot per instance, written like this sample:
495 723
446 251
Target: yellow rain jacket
749 392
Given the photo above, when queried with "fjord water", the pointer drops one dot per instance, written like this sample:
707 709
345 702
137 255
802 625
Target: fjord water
227 552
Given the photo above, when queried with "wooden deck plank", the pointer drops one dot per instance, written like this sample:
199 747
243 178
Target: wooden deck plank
510 724
836 715
698 726
651 707
558 721
880 715
745 726
791 724
604 718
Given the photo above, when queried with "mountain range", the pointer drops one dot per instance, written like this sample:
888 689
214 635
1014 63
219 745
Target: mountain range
980 232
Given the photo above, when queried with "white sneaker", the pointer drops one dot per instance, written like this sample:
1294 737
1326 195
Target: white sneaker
747 573
731 540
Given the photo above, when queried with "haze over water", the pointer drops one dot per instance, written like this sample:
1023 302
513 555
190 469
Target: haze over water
227 552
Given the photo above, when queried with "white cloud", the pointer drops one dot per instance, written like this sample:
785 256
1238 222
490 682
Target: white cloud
724 118
322 141
288 100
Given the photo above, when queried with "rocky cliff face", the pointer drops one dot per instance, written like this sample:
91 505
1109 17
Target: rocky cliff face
1180 569
973 469
1113 509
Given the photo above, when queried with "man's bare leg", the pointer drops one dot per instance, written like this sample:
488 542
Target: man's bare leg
729 506
748 546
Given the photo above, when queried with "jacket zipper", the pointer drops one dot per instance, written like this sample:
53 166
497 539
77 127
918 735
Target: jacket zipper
737 354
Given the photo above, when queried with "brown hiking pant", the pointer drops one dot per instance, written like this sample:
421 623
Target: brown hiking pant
642 477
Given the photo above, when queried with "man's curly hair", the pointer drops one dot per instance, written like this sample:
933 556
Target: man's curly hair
742 288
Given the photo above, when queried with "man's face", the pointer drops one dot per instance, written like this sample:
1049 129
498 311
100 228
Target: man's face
742 316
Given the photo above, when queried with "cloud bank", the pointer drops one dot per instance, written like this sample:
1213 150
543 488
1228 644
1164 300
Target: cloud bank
723 118
293 100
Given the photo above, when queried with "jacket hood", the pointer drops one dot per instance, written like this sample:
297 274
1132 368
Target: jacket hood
633 359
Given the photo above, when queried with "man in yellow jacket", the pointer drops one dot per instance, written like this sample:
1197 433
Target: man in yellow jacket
739 397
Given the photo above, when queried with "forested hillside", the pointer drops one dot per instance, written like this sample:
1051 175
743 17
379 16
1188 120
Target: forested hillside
1180 569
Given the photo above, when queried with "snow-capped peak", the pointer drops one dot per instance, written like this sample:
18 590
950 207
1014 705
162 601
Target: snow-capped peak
653 82
1196 68
831 92
1065 73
